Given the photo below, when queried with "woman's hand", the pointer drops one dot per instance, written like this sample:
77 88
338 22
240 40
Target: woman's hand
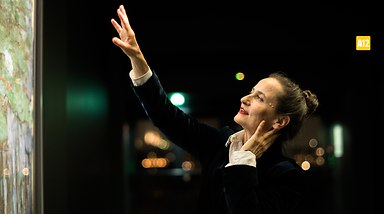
259 142
127 42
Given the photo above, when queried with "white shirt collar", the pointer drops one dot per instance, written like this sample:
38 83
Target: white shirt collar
235 138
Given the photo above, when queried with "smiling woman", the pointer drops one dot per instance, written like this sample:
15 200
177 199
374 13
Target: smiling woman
244 170
20 115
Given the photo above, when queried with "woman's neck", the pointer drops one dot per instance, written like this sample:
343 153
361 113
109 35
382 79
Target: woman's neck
247 135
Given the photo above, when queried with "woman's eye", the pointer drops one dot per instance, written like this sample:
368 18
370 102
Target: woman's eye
259 98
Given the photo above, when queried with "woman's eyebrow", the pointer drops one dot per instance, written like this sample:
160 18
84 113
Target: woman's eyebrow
258 92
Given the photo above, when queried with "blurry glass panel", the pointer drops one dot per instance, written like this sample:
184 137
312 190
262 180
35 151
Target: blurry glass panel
17 100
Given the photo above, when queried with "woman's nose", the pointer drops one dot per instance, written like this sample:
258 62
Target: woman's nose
245 100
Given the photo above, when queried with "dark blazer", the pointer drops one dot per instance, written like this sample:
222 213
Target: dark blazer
276 185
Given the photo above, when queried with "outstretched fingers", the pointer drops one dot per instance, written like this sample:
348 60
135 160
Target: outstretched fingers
123 17
124 22
116 25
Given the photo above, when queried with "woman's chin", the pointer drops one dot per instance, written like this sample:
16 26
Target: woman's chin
237 119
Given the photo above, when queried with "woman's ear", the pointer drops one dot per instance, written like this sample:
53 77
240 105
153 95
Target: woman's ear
281 122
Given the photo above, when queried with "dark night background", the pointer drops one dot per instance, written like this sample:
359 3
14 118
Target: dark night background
197 46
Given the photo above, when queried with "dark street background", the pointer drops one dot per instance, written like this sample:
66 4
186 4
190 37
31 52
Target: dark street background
197 47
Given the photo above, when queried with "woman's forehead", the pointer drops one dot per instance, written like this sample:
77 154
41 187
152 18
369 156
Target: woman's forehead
268 85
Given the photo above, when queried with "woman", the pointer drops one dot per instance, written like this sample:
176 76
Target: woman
269 115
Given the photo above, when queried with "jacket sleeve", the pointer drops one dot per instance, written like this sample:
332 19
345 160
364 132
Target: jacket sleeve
281 192
179 127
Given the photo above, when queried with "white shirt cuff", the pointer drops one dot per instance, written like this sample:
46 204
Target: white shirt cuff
242 158
138 81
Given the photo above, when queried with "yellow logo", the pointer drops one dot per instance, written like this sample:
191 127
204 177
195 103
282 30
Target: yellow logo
363 43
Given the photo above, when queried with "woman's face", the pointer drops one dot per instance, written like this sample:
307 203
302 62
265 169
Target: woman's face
259 105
